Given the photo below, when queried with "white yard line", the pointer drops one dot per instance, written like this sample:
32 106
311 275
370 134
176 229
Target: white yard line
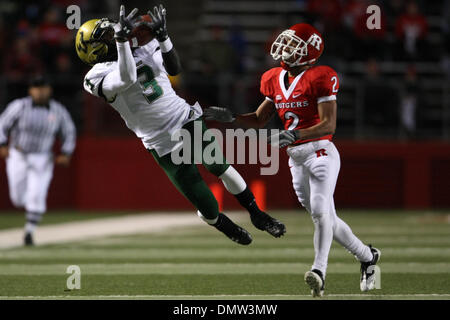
68 296
97 228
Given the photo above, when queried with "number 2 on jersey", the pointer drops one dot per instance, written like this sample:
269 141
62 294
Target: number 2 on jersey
290 115
148 82
334 80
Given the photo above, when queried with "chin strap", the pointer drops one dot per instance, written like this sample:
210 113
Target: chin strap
287 67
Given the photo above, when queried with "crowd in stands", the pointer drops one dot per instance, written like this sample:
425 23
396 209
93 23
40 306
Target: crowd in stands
34 39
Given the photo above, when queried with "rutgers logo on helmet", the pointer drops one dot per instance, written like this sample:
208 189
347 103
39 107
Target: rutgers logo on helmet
299 45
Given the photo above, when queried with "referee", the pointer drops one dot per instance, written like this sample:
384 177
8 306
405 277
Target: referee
28 128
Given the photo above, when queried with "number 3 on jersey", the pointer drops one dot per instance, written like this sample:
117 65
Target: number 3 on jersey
152 90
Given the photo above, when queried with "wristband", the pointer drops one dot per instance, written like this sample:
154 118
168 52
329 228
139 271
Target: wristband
166 45
134 42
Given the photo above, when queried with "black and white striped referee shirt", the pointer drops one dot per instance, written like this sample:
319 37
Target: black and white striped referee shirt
32 128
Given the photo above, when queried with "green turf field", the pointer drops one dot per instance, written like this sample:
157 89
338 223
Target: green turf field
200 263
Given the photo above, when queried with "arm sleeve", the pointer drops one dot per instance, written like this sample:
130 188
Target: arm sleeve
124 75
119 78
67 131
8 118
326 85
171 60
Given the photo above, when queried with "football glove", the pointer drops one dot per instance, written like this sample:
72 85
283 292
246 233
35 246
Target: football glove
218 114
123 28
158 24
283 138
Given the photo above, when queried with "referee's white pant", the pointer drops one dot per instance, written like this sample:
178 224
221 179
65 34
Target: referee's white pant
29 176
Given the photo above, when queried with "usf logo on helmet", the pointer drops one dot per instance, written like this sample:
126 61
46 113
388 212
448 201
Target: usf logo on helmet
95 41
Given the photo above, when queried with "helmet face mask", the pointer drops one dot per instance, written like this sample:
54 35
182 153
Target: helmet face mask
104 31
95 43
299 45
289 48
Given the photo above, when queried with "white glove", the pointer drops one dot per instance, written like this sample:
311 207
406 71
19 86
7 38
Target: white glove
283 138
218 114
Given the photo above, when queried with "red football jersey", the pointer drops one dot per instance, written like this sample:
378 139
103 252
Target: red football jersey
297 105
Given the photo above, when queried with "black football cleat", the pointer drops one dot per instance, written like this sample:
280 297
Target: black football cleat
28 239
368 271
264 222
232 230
314 279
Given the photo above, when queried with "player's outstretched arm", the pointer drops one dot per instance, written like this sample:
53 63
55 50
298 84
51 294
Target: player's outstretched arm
125 74
257 119
169 54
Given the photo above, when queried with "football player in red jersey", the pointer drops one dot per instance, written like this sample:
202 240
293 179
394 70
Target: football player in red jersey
304 97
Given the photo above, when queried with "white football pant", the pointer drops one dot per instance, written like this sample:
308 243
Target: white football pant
315 168
29 177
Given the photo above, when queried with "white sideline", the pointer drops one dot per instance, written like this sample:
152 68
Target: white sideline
234 296
97 228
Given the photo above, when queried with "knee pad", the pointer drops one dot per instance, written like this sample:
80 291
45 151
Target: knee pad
320 171
319 205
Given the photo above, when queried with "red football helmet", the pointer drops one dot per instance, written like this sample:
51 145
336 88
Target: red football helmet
299 45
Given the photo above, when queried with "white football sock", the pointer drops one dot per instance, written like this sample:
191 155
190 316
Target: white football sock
323 236
33 219
233 181
208 221
30 227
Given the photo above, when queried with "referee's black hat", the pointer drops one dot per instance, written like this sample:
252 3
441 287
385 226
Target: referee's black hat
39 81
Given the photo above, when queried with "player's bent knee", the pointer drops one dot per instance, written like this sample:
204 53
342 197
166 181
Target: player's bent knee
319 205
36 203
304 202
217 169
302 197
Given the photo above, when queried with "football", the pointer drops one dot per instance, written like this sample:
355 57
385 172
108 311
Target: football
142 34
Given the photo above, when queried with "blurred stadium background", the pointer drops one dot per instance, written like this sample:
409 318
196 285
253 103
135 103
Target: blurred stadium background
393 111
393 135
